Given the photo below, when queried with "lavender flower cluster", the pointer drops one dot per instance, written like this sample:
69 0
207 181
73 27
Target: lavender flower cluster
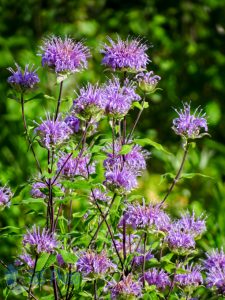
117 247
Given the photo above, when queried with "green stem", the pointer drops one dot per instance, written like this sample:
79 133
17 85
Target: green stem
176 179
59 100
32 277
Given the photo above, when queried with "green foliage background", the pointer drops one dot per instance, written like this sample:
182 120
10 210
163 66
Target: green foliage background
186 40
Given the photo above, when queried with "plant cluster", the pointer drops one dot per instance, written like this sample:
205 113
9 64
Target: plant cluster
118 246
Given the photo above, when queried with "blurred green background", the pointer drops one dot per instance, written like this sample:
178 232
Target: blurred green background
186 45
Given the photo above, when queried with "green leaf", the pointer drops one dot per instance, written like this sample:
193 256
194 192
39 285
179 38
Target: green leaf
68 257
79 214
137 104
191 175
86 294
76 280
38 96
42 260
126 149
51 260
147 141
167 257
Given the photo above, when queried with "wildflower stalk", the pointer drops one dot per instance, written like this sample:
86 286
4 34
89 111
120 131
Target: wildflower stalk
26 133
144 260
102 221
32 276
95 290
124 242
176 179
82 141
54 282
137 120
69 282
109 229
59 100
173 281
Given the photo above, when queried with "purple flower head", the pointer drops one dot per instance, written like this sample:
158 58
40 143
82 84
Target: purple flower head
190 277
215 278
81 166
119 98
148 81
189 125
36 190
23 80
5 196
138 260
121 181
40 240
157 277
179 241
53 133
98 194
129 54
126 288
142 216
73 123
25 259
190 224
90 102
93 264
215 259
135 160
64 55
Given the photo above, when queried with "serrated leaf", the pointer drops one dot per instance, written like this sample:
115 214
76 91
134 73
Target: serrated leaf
79 214
125 149
38 96
51 260
136 104
191 175
167 257
68 257
42 261
86 294
147 141
76 280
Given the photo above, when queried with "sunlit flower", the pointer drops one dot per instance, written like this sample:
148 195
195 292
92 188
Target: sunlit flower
73 123
215 259
25 259
119 180
157 277
128 54
142 216
90 102
71 166
64 55
52 132
23 80
148 81
189 125
119 98
5 196
126 288
191 224
94 264
190 277
40 240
